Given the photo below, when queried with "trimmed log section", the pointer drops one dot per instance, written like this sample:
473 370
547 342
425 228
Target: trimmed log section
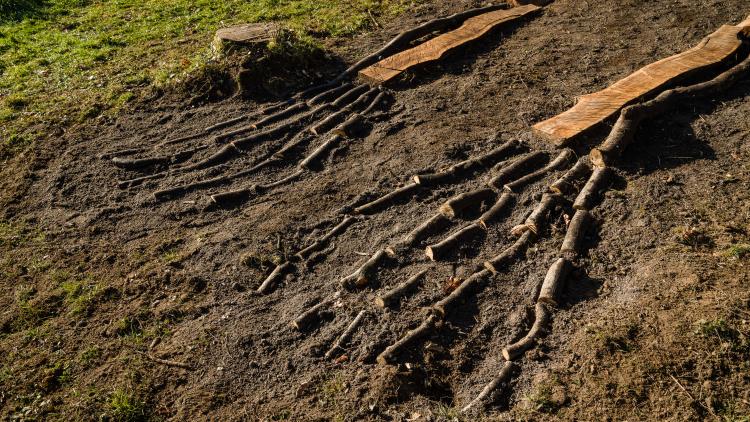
327 95
442 249
365 274
502 378
433 225
458 203
275 277
590 192
406 37
471 284
435 48
346 335
541 320
593 109
496 211
310 316
520 166
623 132
323 241
554 281
575 233
390 354
350 127
538 217
392 297
139 163
562 160
566 184
387 199
510 254
467 166
314 158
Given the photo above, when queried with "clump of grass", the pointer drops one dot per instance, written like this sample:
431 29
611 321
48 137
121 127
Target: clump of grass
738 250
125 406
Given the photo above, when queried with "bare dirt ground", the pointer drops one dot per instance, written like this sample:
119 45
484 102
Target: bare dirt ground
654 322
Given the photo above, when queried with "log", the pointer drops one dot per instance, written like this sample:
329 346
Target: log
314 158
351 95
510 254
436 48
406 37
509 368
471 284
139 163
281 115
389 355
275 277
553 282
349 127
541 320
467 166
323 241
442 249
559 162
590 192
493 214
387 199
593 109
219 157
538 218
393 296
523 165
364 275
234 196
310 316
328 94
433 225
624 130
375 103
576 232
347 335
455 205
122 184
566 184
283 181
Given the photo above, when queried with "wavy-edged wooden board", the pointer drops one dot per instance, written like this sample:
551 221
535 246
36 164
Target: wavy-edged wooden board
593 109
435 48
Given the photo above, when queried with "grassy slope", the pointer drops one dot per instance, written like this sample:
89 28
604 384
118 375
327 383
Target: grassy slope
65 61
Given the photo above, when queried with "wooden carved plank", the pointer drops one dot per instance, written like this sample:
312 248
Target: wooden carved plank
593 109
434 49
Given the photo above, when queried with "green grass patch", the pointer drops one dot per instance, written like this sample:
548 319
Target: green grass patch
70 60
739 250
126 406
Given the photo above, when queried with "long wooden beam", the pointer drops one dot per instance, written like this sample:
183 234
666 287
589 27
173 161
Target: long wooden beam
593 109
435 48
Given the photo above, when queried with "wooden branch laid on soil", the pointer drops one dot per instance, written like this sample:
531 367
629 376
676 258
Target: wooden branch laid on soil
433 225
591 190
310 316
593 109
275 277
538 217
391 353
467 166
392 296
577 228
435 48
323 241
343 340
387 199
314 158
510 254
363 276
541 320
328 94
554 281
522 165
139 163
624 130
566 184
406 37
471 284
350 126
509 368
443 248
566 156
454 206
493 214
